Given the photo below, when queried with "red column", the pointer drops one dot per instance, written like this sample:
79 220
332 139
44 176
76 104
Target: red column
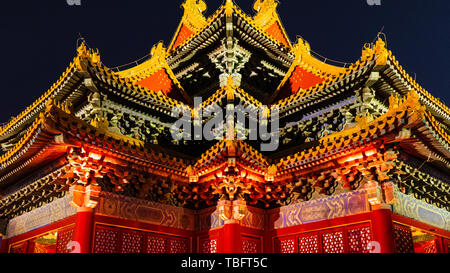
231 212
382 230
268 246
83 229
231 238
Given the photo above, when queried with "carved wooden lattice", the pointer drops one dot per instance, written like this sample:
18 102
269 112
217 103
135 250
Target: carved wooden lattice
156 244
358 239
308 243
209 246
431 247
287 246
333 242
403 239
63 239
178 246
132 242
118 240
18 248
349 239
106 240
249 246
39 250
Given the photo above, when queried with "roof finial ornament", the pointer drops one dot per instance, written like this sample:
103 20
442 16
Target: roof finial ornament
158 53
266 13
363 120
193 16
229 8
393 102
82 50
81 44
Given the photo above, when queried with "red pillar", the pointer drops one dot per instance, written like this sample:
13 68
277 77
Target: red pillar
231 212
83 229
231 238
269 227
382 230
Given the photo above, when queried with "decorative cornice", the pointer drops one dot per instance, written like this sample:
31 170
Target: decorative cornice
418 210
42 216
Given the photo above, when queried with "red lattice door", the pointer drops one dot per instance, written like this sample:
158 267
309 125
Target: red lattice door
309 243
403 239
285 245
64 237
19 248
251 245
208 245
119 240
359 238
333 242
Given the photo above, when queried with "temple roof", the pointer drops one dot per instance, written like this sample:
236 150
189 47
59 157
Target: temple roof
308 74
153 83
406 113
46 130
333 81
56 130
194 24
156 75
396 79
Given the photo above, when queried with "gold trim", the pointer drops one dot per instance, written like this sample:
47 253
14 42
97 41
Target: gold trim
424 230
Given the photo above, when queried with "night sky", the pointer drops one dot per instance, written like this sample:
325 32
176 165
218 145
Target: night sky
38 38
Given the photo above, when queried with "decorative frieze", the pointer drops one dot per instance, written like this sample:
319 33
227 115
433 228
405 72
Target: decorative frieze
144 211
321 209
423 212
42 216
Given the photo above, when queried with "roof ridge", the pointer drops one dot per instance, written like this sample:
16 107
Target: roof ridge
82 52
416 85
409 105
330 73
267 12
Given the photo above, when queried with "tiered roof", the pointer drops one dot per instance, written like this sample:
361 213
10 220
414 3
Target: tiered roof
194 25
50 132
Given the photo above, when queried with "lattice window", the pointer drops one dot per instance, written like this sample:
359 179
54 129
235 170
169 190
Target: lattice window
287 246
358 239
132 242
39 250
403 239
308 244
106 240
431 247
178 246
156 244
333 242
249 246
209 246
18 248
64 237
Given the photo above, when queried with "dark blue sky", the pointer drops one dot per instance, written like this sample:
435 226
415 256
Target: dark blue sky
38 38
